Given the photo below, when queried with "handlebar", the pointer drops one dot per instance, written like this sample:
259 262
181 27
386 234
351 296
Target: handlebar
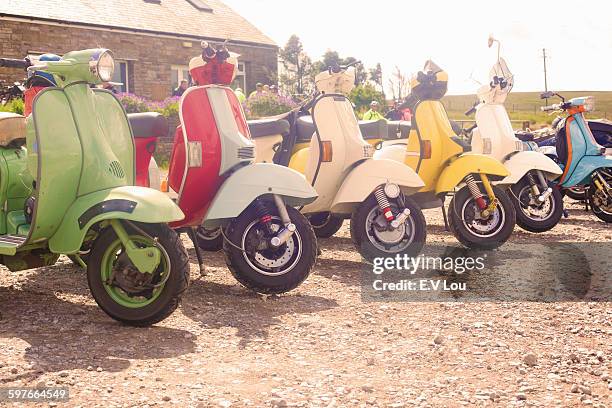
14 63
550 108
338 68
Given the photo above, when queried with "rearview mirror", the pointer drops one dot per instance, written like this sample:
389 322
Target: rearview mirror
491 41
547 95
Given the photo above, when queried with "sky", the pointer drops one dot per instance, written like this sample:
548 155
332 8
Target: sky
453 34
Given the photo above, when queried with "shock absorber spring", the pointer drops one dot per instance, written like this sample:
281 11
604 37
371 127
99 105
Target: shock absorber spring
263 214
533 185
475 191
383 203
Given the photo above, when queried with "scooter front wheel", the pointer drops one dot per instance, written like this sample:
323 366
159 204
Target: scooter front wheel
261 267
374 238
475 231
125 293
210 240
325 224
533 215
600 203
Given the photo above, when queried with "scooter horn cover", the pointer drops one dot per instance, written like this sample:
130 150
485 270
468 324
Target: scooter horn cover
214 71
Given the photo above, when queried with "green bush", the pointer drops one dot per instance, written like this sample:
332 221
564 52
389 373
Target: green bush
267 104
362 95
15 106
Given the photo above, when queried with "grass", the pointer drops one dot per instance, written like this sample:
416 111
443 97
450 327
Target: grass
525 106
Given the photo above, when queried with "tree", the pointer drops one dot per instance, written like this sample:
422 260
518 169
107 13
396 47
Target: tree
296 75
331 58
362 95
376 75
399 84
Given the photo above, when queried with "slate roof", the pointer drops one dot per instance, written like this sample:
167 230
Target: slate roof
174 17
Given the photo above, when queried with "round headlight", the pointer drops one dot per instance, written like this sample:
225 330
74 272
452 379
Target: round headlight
392 190
106 66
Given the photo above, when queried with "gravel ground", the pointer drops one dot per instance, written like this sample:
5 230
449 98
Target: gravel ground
321 345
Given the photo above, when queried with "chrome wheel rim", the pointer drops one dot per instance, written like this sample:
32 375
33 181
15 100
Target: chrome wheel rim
479 226
530 207
390 241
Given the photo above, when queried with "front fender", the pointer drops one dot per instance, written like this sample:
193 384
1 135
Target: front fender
521 163
363 179
254 180
127 203
469 163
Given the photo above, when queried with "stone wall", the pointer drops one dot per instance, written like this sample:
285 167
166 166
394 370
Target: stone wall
149 58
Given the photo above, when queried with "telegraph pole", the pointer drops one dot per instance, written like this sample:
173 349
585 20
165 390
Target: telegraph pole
545 76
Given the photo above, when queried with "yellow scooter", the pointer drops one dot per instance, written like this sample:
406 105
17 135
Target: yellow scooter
481 215
323 141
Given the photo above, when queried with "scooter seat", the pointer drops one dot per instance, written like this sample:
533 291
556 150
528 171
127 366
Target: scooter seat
148 124
524 136
398 129
305 129
12 129
268 127
373 129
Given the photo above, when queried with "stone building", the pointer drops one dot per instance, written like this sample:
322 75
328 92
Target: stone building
152 40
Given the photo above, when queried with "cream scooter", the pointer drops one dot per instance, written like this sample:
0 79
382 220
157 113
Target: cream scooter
338 163
538 203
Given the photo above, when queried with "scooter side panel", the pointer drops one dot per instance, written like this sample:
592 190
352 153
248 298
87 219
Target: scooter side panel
586 167
521 163
258 179
139 204
54 159
367 176
264 148
494 123
196 183
468 163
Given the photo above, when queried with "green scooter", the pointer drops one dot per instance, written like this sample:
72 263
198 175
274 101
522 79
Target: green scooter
67 183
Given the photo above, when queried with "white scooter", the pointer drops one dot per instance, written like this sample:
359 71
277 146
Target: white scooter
329 149
538 203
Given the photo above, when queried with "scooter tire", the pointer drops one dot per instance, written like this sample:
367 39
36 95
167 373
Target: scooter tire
579 195
166 302
207 243
325 224
367 249
256 281
529 224
605 217
467 238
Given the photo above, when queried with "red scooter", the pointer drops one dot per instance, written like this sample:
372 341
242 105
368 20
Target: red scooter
270 246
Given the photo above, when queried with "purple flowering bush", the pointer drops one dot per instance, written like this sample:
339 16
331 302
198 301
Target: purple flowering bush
134 104
267 104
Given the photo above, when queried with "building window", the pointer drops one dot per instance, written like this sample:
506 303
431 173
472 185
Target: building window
179 72
240 80
121 76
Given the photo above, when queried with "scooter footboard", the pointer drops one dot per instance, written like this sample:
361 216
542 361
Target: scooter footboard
255 180
370 174
519 164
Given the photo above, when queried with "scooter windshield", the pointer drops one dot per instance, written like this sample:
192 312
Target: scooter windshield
501 81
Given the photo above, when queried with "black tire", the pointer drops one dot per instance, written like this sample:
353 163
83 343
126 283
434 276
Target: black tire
604 215
270 281
210 240
169 298
534 224
325 224
478 241
575 193
362 231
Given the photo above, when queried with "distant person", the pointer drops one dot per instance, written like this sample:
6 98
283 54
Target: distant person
374 112
266 89
274 89
180 90
395 113
258 90
240 95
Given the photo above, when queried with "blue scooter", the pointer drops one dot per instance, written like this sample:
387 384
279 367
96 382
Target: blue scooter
584 161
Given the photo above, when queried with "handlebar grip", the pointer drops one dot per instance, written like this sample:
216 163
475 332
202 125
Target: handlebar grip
470 111
549 108
13 63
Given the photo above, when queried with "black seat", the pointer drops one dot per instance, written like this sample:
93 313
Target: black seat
305 129
525 136
148 124
268 127
398 129
464 145
373 129
602 131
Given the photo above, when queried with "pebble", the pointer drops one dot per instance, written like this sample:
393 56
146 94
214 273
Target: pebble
367 388
521 396
439 339
530 359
